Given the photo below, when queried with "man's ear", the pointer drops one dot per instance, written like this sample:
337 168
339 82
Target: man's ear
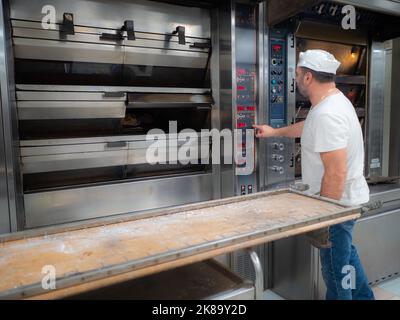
308 76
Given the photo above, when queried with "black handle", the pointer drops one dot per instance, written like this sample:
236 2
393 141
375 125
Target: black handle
201 45
67 26
180 30
116 144
114 94
292 86
111 36
129 27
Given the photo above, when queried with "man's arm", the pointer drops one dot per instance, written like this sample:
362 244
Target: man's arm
292 131
335 172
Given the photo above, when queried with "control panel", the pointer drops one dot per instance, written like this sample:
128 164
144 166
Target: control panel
277 106
279 150
246 96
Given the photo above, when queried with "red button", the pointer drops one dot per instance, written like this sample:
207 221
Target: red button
240 108
241 88
251 108
241 125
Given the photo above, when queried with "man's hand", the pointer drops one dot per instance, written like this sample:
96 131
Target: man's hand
292 131
264 131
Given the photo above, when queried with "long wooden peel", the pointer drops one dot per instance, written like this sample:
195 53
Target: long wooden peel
96 255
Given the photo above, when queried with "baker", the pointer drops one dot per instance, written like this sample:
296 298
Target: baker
332 152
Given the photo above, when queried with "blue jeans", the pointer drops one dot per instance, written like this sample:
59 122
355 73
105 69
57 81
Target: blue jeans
342 271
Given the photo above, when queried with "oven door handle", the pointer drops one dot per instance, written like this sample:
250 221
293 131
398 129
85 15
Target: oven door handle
116 144
114 94
112 36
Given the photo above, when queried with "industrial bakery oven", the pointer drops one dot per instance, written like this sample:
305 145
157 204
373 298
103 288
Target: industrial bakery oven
86 84
90 88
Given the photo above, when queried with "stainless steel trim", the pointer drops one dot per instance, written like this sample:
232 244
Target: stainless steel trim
75 88
142 39
374 152
61 206
66 96
166 58
226 73
147 15
237 294
24 28
83 157
67 51
168 100
11 219
259 281
76 141
262 90
215 83
34 110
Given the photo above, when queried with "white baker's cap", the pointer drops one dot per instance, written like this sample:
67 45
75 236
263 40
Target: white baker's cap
318 60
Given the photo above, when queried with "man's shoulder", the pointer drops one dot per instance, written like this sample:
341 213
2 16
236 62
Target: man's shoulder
338 107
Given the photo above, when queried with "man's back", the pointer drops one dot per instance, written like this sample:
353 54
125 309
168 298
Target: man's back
333 125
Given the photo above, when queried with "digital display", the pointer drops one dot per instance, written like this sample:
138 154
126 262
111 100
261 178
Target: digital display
277 47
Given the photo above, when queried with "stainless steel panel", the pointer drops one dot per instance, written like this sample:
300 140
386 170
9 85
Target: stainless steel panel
91 35
165 58
31 29
69 105
263 92
144 100
387 195
4 209
394 161
38 32
292 276
61 162
374 139
227 76
67 51
69 96
11 219
74 141
215 83
147 15
53 207
74 88
87 48
33 110
377 239
81 156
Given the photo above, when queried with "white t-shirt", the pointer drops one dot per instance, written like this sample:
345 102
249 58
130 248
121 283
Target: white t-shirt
331 125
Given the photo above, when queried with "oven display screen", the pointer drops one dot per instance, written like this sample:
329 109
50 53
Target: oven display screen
277 48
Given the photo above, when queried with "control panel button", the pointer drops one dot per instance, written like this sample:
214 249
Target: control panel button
277 169
278 157
278 146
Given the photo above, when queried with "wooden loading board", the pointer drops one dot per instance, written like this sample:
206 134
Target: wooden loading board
109 251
